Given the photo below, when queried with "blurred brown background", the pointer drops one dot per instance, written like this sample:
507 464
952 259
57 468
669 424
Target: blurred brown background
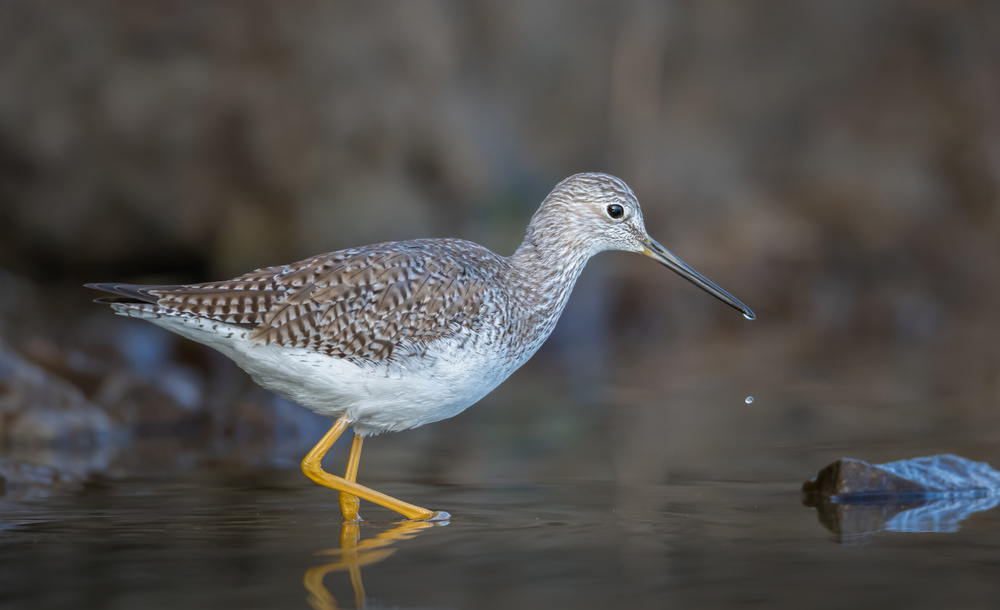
836 165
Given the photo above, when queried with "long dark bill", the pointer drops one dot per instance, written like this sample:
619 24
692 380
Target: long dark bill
660 254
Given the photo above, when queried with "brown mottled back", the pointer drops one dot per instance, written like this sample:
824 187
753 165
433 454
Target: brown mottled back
360 304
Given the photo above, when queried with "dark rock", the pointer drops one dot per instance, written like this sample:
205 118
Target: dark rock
847 476
39 408
855 480
929 494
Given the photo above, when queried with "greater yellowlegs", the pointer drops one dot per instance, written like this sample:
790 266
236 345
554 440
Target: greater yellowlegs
396 335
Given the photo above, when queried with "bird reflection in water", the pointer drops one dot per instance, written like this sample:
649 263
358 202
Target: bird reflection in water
355 553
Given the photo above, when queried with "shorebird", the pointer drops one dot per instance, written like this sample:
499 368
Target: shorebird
396 335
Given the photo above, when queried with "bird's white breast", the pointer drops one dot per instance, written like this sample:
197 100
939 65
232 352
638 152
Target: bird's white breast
377 398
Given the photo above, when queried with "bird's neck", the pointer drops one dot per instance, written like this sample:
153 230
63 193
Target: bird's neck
544 272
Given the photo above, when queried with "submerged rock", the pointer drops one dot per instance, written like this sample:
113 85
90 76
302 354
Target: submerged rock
928 494
934 476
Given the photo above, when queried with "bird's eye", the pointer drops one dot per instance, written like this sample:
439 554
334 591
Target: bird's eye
616 211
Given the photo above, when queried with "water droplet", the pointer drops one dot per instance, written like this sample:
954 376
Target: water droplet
749 400
749 315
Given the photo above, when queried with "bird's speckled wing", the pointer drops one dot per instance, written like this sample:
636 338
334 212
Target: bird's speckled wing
370 303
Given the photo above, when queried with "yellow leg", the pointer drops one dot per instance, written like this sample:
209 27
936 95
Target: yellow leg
312 466
349 503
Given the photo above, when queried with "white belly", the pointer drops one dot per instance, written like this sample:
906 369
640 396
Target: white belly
376 398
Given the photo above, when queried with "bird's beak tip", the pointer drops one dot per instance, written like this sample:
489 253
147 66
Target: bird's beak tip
660 254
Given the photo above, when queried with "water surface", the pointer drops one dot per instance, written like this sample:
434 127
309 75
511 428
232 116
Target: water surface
225 537
608 476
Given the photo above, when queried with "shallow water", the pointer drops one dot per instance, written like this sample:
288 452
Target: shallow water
597 477
236 537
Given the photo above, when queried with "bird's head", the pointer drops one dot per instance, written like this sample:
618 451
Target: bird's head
592 212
